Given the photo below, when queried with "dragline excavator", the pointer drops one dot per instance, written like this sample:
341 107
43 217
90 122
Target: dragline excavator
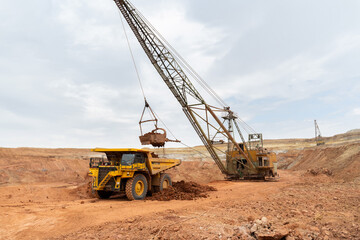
318 138
239 159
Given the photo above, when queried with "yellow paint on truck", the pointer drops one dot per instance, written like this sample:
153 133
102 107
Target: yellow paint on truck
123 167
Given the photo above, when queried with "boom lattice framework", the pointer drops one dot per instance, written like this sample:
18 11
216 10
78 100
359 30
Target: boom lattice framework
201 115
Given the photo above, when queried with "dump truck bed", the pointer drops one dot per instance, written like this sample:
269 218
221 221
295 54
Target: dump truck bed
154 165
161 164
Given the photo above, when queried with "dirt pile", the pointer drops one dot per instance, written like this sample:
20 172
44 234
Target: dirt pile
340 161
319 171
260 229
83 190
183 191
196 171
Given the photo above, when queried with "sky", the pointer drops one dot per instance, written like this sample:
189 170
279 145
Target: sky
67 78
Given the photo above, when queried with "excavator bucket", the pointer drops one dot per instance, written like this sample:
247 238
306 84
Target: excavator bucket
153 138
157 137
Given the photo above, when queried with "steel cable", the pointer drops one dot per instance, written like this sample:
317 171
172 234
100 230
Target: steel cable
132 57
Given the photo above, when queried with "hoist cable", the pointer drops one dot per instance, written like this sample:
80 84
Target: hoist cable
193 73
187 66
132 56
246 126
142 89
172 134
194 149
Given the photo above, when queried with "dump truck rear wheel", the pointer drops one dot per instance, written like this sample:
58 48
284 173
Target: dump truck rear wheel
103 194
136 187
165 181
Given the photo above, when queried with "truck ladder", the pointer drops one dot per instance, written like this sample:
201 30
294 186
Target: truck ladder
104 182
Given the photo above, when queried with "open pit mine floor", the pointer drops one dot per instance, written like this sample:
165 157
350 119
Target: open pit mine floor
298 205
45 194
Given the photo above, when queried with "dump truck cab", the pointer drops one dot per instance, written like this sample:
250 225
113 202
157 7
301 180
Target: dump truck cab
134 172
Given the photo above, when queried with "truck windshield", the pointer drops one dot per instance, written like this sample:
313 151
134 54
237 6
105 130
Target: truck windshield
127 159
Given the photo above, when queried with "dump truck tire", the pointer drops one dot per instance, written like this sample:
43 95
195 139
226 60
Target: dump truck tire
103 194
165 181
136 187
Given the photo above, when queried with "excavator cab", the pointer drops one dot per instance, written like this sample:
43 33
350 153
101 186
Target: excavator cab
256 141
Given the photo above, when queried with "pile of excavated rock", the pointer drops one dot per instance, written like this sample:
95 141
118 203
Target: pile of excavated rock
260 229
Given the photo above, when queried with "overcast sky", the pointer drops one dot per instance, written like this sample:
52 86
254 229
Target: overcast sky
67 80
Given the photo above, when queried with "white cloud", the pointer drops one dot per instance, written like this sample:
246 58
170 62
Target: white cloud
9 117
356 111
191 38
98 101
90 24
297 78
95 99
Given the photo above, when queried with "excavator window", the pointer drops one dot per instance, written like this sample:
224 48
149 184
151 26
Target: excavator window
266 162
263 161
241 146
240 164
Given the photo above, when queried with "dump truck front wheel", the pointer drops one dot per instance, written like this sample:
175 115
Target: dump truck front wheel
103 194
136 187
165 181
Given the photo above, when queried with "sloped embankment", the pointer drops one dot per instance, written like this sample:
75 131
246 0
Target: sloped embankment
342 160
34 165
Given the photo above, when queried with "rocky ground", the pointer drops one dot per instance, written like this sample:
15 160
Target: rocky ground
293 208
44 194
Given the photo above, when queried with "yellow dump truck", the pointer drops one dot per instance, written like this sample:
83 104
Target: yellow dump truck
134 172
